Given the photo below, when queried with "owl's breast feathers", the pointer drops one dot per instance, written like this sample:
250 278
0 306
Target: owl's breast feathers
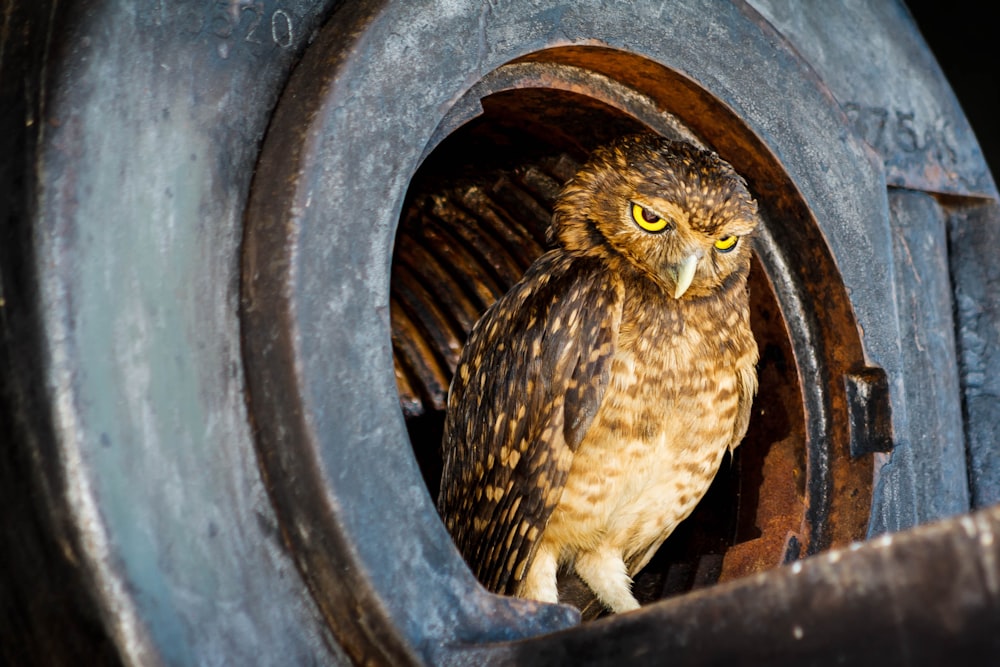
534 375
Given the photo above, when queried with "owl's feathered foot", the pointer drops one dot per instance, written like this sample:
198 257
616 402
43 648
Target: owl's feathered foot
603 571
540 582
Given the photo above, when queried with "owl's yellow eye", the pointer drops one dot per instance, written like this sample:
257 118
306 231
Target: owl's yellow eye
649 220
726 243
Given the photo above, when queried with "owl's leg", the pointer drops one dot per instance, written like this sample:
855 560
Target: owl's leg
605 572
540 582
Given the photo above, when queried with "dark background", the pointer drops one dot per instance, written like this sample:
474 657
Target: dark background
963 37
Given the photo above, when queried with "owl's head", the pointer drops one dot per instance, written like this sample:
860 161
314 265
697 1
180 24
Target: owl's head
678 213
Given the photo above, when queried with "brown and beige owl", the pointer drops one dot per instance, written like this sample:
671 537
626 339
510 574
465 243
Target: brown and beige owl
594 402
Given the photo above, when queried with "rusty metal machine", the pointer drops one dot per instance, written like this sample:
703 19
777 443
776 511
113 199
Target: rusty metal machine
241 244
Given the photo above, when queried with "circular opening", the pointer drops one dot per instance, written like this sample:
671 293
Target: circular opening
317 321
474 219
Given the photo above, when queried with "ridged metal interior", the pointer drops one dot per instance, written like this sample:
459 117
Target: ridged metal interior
459 250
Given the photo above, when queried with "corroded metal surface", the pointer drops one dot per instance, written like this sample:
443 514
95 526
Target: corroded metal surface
188 521
973 234
913 122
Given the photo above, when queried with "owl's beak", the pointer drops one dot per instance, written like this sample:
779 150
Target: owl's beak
684 274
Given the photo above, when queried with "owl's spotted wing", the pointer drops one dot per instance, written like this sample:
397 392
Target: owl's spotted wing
529 383
746 386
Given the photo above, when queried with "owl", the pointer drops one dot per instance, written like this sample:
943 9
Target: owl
593 403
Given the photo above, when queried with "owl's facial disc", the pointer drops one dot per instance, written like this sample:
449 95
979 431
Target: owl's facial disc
683 274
